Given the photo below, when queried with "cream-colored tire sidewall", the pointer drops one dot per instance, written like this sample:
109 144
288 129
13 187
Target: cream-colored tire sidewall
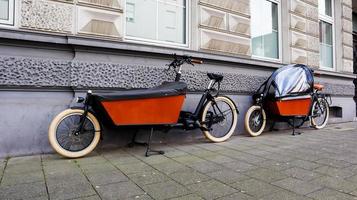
246 121
57 147
327 116
234 124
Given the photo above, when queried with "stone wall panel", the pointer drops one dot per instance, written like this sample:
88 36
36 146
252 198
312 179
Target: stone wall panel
46 15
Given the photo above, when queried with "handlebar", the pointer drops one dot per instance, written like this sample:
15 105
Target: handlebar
196 61
178 61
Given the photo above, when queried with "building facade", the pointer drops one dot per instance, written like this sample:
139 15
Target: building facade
54 50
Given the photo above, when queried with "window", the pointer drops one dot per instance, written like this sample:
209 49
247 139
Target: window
265 28
163 21
326 33
7 12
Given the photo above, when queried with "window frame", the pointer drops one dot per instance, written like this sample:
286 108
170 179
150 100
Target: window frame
280 59
10 21
145 41
330 20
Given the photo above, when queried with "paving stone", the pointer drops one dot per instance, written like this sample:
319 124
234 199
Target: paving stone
97 167
205 166
305 164
67 179
39 198
171 167
59 171
93 197
122 190
338 184
188 197
189 177
255 187
275 165
165 190
14 179
333 163
154 159
23 191
301 174
23 168
334 172
329 194
135 168
25 160
297 186
149 177
123 160
175 153
91 159
239 166
106 177
188 159
140 197
284 195
236 196
266 175
69 189
228 176
219 159
211 189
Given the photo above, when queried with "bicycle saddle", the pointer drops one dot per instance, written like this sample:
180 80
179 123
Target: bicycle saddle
216 77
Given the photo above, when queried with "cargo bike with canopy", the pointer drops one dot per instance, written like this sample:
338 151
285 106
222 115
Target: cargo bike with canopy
290 95
75 132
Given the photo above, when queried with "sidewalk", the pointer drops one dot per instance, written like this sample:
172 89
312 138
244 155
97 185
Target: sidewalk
277 166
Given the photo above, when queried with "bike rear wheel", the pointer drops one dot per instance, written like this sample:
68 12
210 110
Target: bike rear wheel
220 118
64 138
320 113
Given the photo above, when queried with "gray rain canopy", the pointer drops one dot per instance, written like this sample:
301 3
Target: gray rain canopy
290 80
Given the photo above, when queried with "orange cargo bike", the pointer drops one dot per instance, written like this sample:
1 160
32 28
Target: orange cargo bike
75 132
290 95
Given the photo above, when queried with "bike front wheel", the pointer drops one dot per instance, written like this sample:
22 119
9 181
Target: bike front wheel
320 113
63 133
219 119
255 120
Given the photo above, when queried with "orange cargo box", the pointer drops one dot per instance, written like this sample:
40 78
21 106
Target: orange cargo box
291 106
145 111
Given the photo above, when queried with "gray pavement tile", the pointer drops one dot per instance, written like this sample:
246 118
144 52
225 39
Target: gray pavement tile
187 159
122 190
23 168
23 191
189 177
302 174
165 190
106 177
27 160
91 159
266 175
227 176
66 179
329 194
135 168
69 190
211 189
140 197
175 153
149 177
284 195
171 167
305 164
334 163
249 158
275 165
279 157
93 197
219 159
297 186
334 172
211 146
154 159
338 184
205 166
97 167
239 166
188 197
189 148
124 160
237 196
255 187
58 171
39 198
203 153
14 179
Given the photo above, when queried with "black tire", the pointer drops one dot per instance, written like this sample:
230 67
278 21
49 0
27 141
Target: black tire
222 130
